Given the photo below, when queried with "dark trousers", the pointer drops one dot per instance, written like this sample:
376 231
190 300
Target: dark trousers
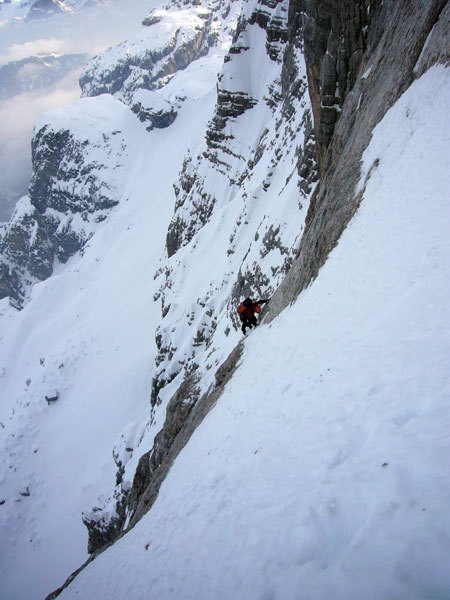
248 322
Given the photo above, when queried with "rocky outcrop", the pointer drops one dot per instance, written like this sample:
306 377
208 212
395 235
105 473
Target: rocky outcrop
185 412
189 217
230 104
65 183
104 526
169 42
400 40
152 110
27 254
272 15
154 465
71 191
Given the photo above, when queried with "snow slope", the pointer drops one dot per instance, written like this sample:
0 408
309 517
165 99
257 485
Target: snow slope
87 332
351 378
322 472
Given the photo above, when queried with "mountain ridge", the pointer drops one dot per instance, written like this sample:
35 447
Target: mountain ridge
223 197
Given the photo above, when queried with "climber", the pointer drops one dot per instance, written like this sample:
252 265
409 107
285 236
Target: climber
246 311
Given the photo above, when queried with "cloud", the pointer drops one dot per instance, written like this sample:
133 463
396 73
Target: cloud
27 107
89 31
34 48
17 119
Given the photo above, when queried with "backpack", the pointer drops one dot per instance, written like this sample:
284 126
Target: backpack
241 308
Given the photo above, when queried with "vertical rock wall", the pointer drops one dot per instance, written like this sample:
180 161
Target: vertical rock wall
376 61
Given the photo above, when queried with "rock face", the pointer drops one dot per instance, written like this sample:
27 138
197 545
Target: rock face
258 128
335 38
185 412
26 252
398 42
169 41
331 71
65 183
71 191
154 111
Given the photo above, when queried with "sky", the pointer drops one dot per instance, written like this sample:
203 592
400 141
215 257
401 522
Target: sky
96 30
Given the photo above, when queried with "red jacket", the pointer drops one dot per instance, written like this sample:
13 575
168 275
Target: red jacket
250 310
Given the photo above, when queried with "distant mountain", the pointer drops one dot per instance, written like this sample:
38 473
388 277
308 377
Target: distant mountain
41 9
37 72
31 10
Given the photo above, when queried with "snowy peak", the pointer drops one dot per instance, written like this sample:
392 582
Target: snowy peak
42 9
169 41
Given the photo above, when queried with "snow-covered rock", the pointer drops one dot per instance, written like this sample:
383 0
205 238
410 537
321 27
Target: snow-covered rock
247 168
153 110
168 42
79 159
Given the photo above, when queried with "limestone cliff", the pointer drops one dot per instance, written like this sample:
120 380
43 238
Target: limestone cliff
367 55
70 193
385 46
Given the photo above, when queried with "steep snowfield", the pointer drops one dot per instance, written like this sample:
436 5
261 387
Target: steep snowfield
322 472
88 333
322 468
